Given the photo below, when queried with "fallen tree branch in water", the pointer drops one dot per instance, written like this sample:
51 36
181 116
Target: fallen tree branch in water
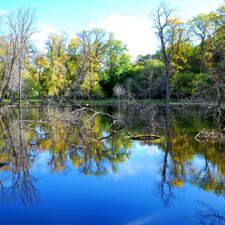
209 215
144 137
210 136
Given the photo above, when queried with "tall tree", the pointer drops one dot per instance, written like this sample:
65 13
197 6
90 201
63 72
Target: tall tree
20 31
54 75
116 64
171 33
214 58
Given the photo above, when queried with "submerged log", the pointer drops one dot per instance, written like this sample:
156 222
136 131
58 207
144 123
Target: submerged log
144 137
3 164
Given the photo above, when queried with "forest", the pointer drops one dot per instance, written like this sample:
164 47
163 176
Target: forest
94 65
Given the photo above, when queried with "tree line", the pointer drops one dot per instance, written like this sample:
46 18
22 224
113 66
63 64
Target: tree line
95 65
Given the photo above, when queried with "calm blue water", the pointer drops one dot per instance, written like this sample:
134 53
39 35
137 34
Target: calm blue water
150 185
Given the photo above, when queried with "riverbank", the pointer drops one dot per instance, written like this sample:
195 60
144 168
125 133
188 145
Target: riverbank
111 101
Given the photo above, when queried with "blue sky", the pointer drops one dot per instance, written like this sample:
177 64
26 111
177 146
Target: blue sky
128 19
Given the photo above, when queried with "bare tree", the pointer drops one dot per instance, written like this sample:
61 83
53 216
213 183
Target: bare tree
118 90
171 33
20 31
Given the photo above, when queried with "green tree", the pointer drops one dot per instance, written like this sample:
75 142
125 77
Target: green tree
117 64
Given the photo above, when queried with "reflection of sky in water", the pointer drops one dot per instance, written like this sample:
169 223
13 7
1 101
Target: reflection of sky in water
128 196
41 164
6 179
142 161
40 133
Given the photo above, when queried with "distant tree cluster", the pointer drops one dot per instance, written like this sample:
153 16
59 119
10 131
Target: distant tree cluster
94 64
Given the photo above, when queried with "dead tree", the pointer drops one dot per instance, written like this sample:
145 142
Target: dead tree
118 90
20 31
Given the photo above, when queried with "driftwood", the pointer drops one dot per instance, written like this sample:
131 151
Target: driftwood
210 136
144 137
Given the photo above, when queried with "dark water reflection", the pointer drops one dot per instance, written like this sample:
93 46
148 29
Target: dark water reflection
55 172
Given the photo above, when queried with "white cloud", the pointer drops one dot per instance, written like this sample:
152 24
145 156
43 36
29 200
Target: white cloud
43 30
153 149
147 220
39 38
3 12
134 31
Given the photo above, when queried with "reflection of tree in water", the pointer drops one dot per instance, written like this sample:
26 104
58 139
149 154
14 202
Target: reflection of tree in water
84 146
95 145
208 215
96 160
164 186
208 177
142 117
75 138
179 165
22 183
180 148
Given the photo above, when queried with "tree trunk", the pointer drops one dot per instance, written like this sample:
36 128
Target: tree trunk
202 55
119 102
12 98
20 71
39 91
167 83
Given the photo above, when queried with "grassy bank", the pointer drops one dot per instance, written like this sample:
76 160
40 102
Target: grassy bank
111 101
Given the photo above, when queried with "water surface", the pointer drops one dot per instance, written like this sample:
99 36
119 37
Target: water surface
88 172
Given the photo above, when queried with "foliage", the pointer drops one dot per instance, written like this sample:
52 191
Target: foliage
188 84
92 63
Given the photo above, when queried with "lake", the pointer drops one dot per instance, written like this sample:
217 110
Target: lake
58 167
